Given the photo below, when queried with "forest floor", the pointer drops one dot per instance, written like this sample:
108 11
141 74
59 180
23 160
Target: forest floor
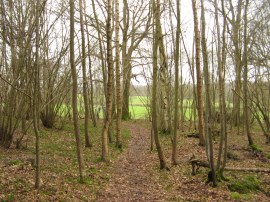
132 176
133 173
136 176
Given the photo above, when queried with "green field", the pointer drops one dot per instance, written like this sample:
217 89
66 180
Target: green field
139 100
138 108
138 112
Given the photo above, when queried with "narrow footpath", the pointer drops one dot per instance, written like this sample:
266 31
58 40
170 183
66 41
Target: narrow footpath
132 177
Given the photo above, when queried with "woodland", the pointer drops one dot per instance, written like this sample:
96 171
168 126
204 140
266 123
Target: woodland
134 100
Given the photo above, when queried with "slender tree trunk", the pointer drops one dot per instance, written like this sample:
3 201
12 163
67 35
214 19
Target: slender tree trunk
125 109
152 139
154 90
182 111
221 56
109 94
94 120
199 77
176 85
208 107
35 99
90 72
104 76
125 63
7 129
163 69
118 80
194 102
85 83
222 91
74 92
245 84
236 25
213 79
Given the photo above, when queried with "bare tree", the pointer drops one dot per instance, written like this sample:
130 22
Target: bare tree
198 72
221 57
157 32
118 79
133 21
176 84
236 26
85 83
109 94
245 83
74 91
165 120
90 71
35 96
208 119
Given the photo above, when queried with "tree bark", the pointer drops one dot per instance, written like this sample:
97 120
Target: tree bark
208 106
154 120
245 83
93 116
198 71
154 90
236 25
221 56
109 94
118 79
163 69
85 83
35 99
125 63
176 85
74 92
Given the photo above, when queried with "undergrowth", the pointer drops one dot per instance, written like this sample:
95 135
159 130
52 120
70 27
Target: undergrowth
249 184
237 196
255 148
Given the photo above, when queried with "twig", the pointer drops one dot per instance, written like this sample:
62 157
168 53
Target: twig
14 86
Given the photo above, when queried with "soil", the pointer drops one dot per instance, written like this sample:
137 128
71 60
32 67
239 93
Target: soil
132 177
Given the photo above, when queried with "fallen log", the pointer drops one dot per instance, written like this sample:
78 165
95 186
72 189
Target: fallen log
191 134
196 164
215 133
256 170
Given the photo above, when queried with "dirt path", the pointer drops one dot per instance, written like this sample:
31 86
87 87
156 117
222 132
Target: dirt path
132 178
